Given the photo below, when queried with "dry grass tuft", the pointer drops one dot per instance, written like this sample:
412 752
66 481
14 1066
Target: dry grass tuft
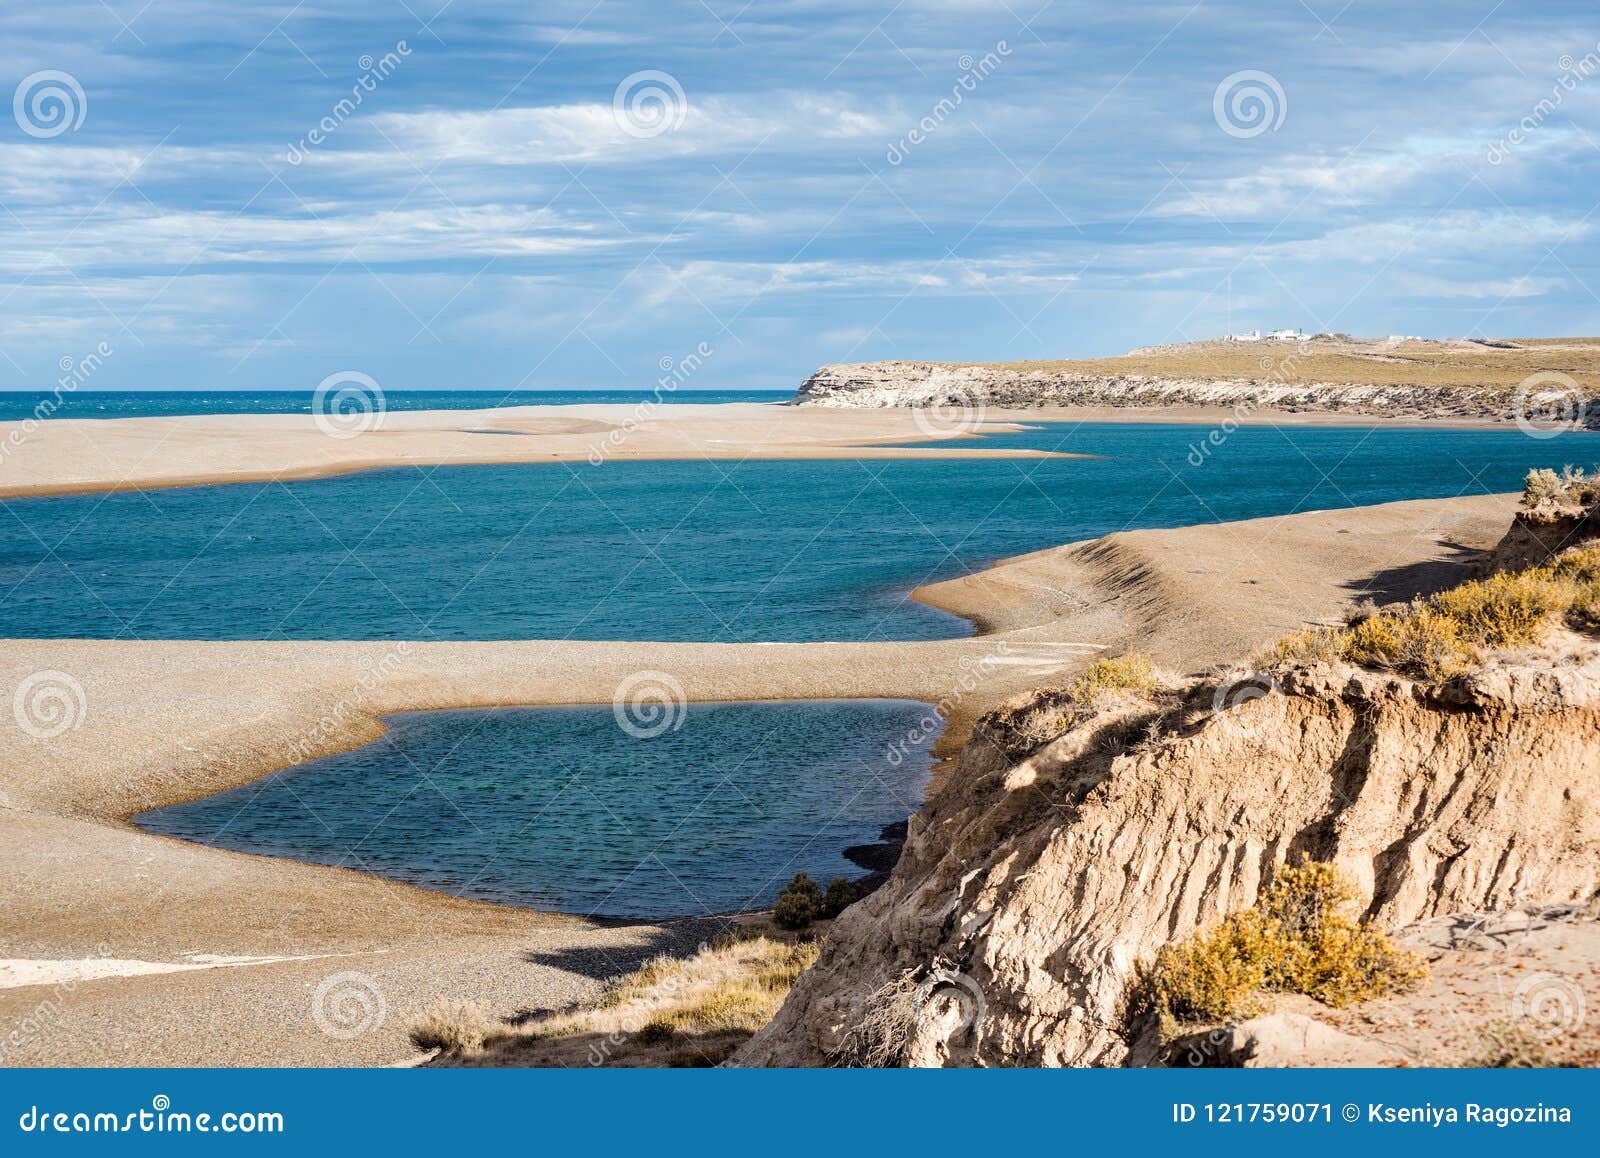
879 1038
1051 713
1509 1046
1298 938
672 1011
454 1028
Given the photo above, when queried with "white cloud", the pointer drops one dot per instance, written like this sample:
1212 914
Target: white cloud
1498 289
579 133
1471 234
1329 180
137 234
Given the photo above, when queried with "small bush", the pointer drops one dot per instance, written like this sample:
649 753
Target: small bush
456 1028
1542 486
840 896
1584 614
1571 487
1125 673
1579 564
1297 939
799 903
655 1032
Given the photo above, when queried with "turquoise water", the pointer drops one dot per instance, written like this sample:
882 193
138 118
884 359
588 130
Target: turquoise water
675 550
16 405
561 809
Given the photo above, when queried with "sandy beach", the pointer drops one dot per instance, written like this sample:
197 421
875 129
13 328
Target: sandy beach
166 721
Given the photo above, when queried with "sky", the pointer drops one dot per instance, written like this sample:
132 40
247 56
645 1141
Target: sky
505 195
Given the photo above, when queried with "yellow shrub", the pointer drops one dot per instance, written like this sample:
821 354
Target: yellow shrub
1510 609
1422 643
1584 614
1580 564
1298 939
1132 673
1377 642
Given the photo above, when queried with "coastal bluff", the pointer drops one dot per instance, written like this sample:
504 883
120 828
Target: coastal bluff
1541 382
1076 838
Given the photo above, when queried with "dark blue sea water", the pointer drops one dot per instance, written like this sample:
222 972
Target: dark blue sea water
675 550
19 404
560 808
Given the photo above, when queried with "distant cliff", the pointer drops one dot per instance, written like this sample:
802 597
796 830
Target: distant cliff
1438 382
931 384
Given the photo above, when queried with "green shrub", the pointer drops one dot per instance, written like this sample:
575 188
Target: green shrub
799 903
840 896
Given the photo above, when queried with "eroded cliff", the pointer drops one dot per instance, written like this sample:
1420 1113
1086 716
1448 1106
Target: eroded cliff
1045 869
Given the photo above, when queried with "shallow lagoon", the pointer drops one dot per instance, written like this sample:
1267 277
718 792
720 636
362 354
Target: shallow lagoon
564 809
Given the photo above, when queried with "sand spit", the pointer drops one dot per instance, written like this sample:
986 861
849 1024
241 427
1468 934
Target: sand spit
77 456
150 723
67 456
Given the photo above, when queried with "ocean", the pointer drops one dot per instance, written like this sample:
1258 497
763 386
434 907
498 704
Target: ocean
718 551
16 405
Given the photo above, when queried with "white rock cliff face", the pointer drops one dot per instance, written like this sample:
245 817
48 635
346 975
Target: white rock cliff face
1030 888
878 384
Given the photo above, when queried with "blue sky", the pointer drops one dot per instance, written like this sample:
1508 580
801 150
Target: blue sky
494 215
